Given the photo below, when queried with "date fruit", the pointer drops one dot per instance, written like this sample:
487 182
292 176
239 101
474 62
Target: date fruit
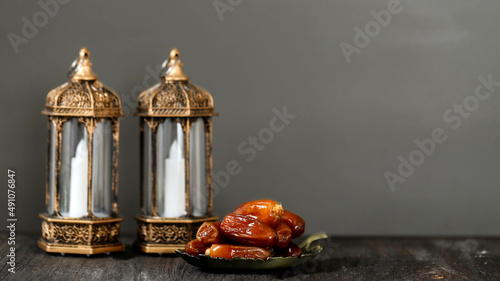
291 250
248 231
233 251
296 223
284 234
209 233
195 247
255 230
266 210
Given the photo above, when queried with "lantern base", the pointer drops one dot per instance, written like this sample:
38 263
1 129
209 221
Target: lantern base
81 249
83 236
165 235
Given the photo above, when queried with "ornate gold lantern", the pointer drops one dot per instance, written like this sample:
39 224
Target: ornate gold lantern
176 160
82 169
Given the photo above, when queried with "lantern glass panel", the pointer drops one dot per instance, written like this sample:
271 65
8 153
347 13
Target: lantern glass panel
73 175
171 171
147 163
102 169
198 195
52 168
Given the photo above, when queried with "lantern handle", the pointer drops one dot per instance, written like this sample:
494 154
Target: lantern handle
77 63
166 70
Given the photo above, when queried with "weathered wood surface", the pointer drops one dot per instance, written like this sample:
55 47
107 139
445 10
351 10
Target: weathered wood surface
344 258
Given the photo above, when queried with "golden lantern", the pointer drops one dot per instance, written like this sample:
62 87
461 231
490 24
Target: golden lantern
176 160
82 169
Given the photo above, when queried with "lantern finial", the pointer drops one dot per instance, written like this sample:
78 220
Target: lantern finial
81 69
172 69
175 53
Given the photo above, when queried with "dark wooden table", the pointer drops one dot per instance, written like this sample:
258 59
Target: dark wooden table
344 258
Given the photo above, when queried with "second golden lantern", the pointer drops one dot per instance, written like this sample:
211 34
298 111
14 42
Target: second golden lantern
176 160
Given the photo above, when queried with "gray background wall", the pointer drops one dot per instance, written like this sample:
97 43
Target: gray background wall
353 119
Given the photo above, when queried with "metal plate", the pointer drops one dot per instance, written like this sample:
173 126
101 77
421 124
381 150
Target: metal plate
309 251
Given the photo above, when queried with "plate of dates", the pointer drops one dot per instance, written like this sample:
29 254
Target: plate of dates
257 235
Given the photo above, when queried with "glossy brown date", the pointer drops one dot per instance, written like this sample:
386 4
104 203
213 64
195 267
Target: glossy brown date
209 233
248 231
284 234
296 223
266 210
233 251
195 247
291 250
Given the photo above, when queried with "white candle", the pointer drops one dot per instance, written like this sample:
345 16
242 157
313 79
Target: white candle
78 187
175 182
